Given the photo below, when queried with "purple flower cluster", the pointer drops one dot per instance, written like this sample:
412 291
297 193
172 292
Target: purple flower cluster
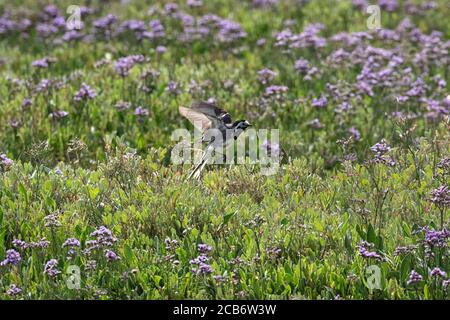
441 196
123 65
381 150
320 103
111 256
13 290
103 239
201 261
85 93
43 63
414 278
59 114
436 238
309 38
5 162
276 92
51 268
141 112
437 272
122 106
266 75
12 258
364 251
71 243
52 220
22 245
230 31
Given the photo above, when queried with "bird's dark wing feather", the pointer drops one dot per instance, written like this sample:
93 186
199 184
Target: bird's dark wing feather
212 111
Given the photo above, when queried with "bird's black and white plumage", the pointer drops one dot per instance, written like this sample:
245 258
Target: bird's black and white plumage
205 116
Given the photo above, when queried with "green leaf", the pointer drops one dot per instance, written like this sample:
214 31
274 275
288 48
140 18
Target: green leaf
371 235
405 268
227 217
93 193
406 229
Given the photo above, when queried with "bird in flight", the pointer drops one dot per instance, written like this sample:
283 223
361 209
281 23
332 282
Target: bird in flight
206 116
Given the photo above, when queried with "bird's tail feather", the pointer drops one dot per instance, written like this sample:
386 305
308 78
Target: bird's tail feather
201 165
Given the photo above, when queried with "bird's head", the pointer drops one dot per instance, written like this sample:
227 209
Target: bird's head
241 125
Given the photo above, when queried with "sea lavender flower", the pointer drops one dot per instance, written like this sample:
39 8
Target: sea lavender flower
264 3
14 123
13 290
441 196
173 88
52 220
202 258
160 50
219 279
71 242
302 66
124 64
51 269
43 63
276 91
111 256
204 268
122 106
51 11
157 30
204 248
104 236
105 23
360 4
141 112
26 103
266 75
354 133
43 243
388 5
414 278
363 249
20 244
12 258
436 238
437 272
321 102
170 8
60 114
230 31
274 253
5 162
381 149
44 85
136 26
446 283
85 93
91 265
444 164
261 42
45 30
400 251
315 124
194 3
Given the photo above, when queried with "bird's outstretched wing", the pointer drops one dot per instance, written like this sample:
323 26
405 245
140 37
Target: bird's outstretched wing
205 116
212 110
198 119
